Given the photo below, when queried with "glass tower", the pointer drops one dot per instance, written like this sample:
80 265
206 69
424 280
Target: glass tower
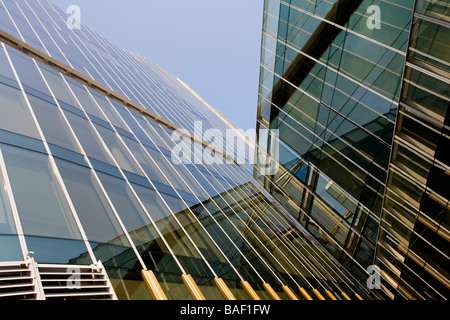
89 181
359 91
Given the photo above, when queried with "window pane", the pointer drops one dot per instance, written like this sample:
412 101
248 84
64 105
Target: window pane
42 206
153 251
51 250
95 213
5 67
52 123
6 218
10 248
88 138
28 72
14 113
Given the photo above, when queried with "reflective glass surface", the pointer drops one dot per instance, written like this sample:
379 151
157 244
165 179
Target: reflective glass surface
94 180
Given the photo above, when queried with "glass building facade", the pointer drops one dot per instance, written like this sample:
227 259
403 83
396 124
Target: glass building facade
88 176
359 91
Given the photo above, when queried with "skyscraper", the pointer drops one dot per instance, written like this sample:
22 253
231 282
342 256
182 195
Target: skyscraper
359 91
100 198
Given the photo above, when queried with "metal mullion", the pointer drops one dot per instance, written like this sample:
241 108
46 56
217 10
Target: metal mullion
92 65
306 268
174 216
293 247
347 29
304 212
283 242
50 156
412 271
247 227
112 66
164 97
272 229
210 215
332 239
15 25
244 186
325 142
102 67
322 264
356 13
48 33
93 172
145 210
82 52
238 232
410 108
18 30
395 284
13 206
339 72
168 103
183 202
51 18
305 186
93 56
431 19
428 90
334 135
119 220
250 231
412 180
161 198
415 215
393 215
394 237
334 110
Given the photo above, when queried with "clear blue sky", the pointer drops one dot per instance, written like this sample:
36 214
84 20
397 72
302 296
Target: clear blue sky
213 46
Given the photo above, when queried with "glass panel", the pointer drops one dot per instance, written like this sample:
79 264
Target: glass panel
410 162
118 150
6 219
9 243
52 123
170 229
10 248
324 239
431 44
88 138
204 243
42 206
14 113
51 250
173 286
109 111
153 251
304 4
85 100
94 212
435 9
427 93
208 288
128 284
59 87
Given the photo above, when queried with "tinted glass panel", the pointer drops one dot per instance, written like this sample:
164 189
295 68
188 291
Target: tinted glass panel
42 206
